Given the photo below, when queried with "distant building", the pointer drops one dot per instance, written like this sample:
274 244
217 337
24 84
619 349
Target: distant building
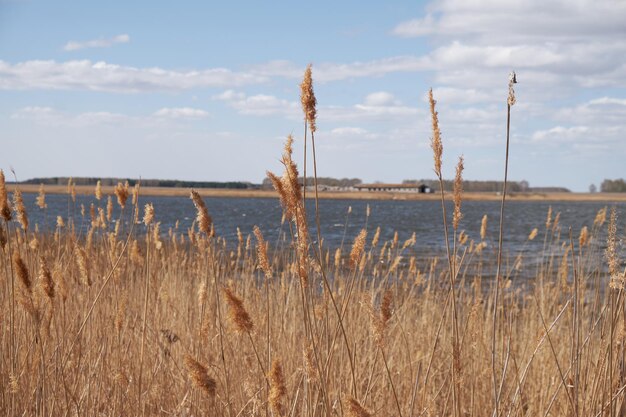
398 188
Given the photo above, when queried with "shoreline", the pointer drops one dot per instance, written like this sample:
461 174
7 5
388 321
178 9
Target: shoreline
336 195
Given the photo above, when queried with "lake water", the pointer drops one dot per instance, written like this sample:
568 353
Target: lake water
405 217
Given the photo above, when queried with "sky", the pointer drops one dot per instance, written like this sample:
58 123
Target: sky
205 90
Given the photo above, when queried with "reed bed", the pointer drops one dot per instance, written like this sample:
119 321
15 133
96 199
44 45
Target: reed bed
128 319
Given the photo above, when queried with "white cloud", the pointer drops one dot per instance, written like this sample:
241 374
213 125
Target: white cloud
181 113
380 98
49 116
102 76
96 43
516 19
348 131
259 104
560 133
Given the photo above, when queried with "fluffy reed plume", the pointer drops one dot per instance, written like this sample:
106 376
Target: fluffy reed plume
376 237
109 208
380 319
237 312
278 388
148 214
261 249
307 97
512 80
533 234
600 217
121 192
82 260
135 253
483 228
5 209
199 375
45 281
611 253
355 409
458 191
435 142
41 198
357 248
309 364
549 217
22 271
71 189
98 191
288 187
583 239
20 209
202 213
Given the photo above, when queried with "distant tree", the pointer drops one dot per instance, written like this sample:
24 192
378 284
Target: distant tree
593 188
524 185
613 186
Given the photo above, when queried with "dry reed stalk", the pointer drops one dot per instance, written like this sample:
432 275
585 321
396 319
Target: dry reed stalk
98 190
148 219
437 147
510 103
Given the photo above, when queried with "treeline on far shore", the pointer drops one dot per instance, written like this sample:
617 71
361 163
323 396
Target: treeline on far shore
144 182
607 186
613 186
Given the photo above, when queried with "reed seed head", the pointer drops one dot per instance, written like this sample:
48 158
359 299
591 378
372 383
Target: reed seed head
512 81
5 208
20 209
278 388
98 191
121 192
355 409
357 249
45 281
533 234
611 253
458 191
435 142
202 213
261 248
583 239
307 97
483 228
237 312
22 271
148 214
199 375
41 198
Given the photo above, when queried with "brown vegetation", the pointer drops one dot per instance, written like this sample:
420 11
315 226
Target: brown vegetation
125 320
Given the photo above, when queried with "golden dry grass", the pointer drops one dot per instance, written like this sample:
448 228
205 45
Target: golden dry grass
126 320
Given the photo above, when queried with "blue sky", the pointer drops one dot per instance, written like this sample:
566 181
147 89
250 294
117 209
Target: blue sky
209 90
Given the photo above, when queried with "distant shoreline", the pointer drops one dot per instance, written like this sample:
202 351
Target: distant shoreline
337 195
